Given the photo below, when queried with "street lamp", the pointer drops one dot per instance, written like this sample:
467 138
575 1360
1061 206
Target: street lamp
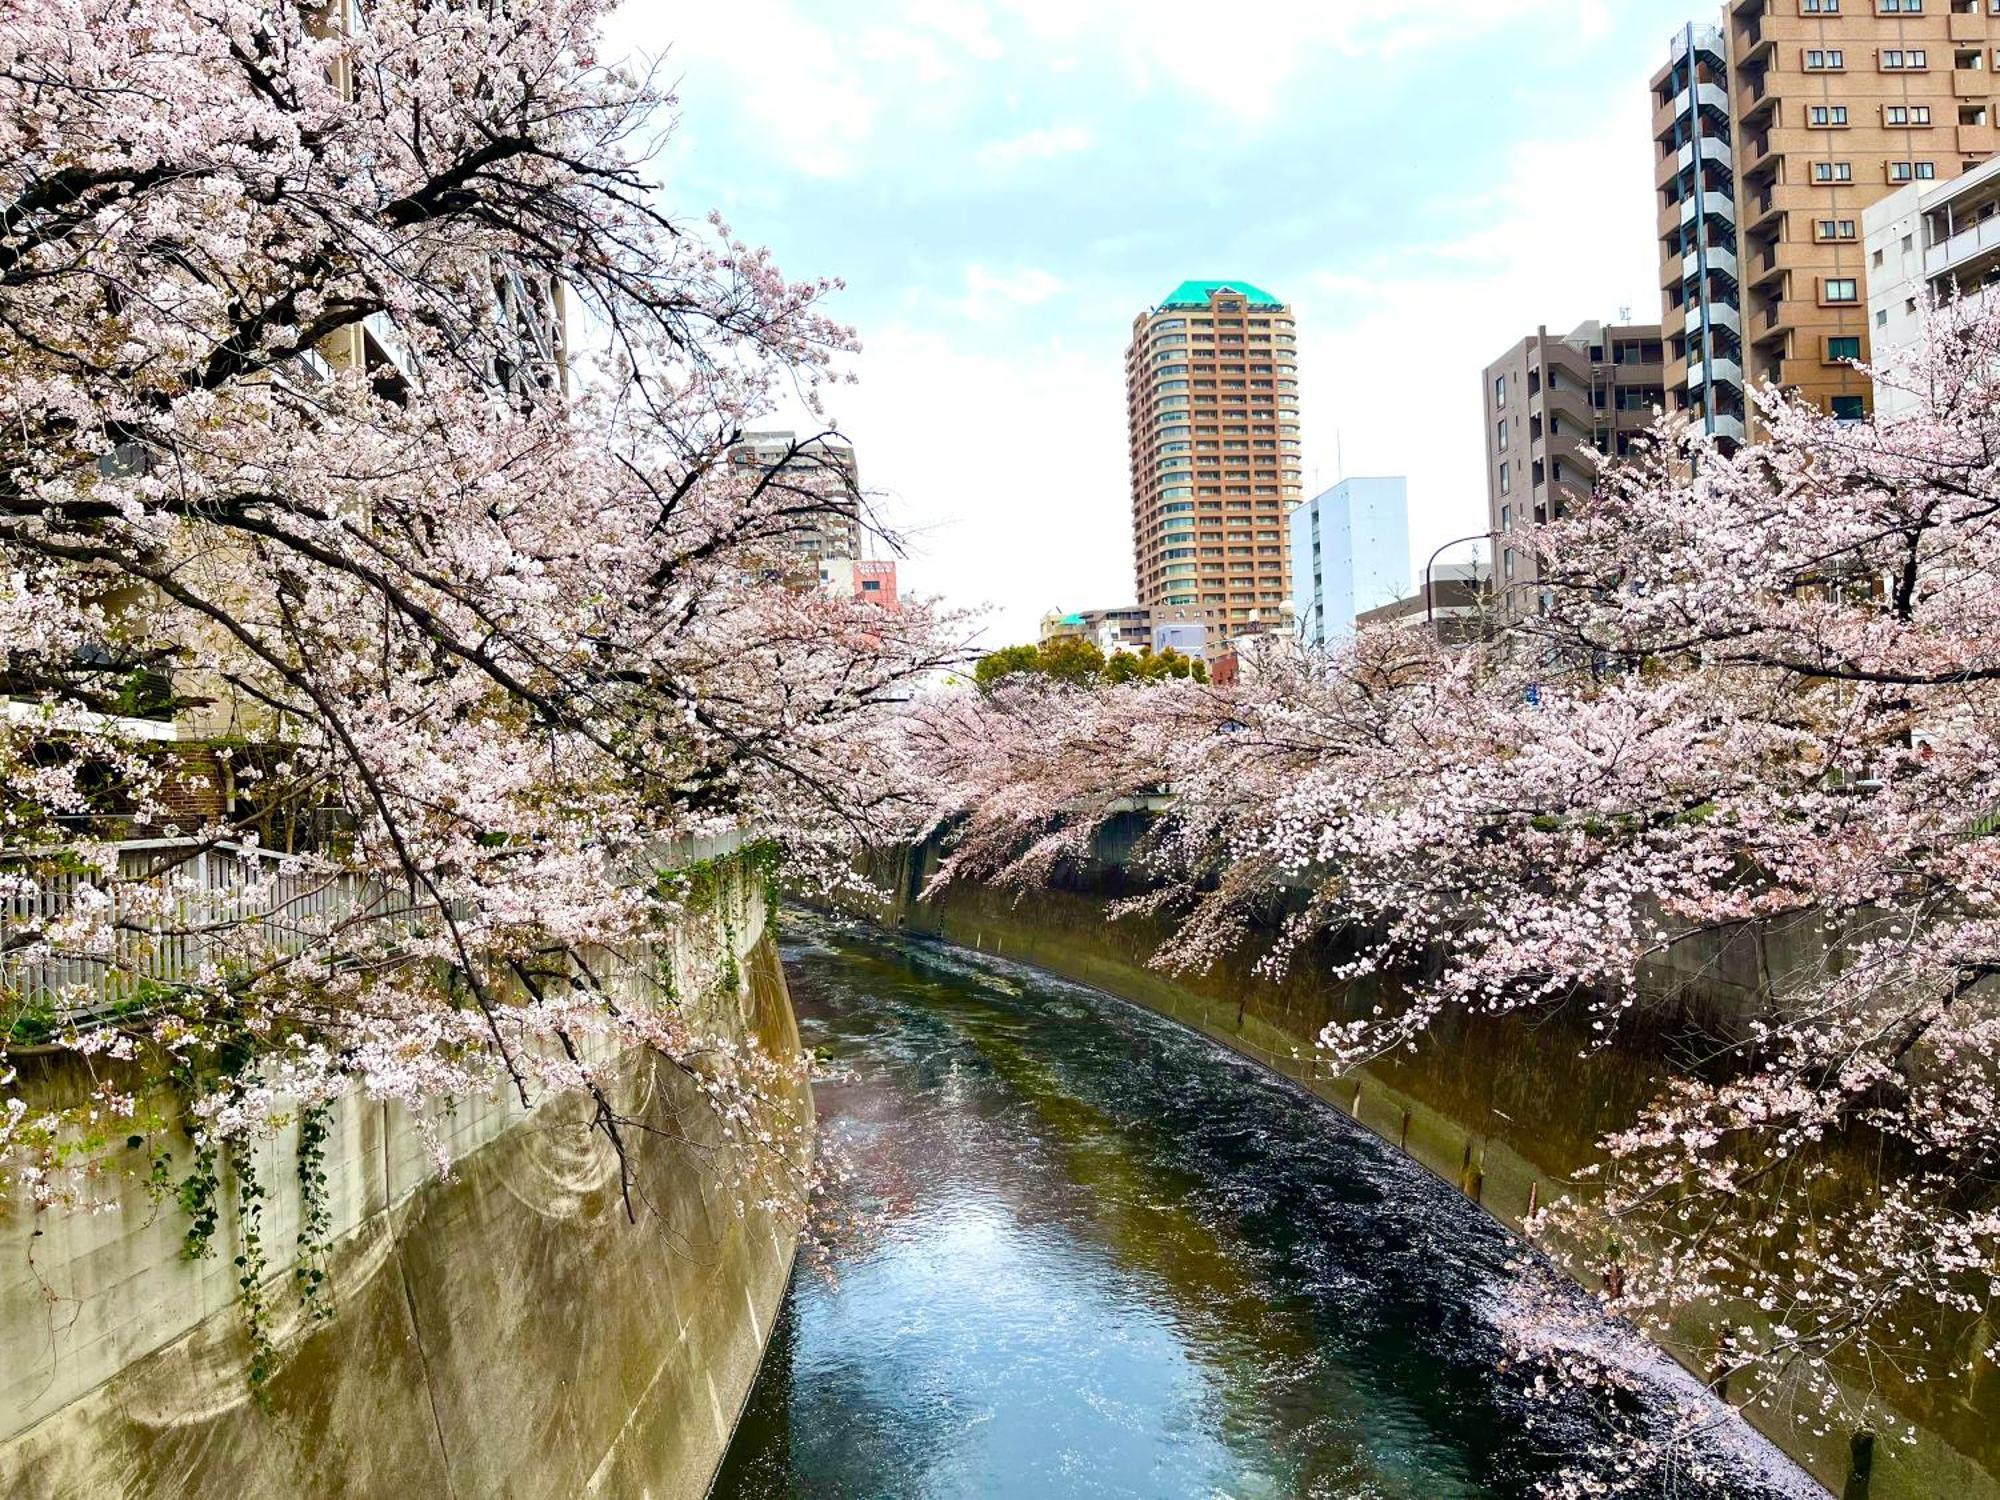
1430 597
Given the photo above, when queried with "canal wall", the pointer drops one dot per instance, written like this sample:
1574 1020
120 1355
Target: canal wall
502 1330
1507 1108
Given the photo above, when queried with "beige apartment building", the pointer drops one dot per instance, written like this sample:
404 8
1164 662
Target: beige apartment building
1548 399
1774 132
822 472
1212 391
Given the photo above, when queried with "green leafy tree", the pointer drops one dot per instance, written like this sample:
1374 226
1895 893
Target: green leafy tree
1005 662
1072 659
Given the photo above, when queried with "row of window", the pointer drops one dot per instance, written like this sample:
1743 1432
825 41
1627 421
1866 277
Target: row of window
1899 171
1882 7
1890 59
1834 116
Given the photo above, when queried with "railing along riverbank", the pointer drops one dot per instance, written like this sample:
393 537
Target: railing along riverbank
177 906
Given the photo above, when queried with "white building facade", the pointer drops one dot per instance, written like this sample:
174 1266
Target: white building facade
1350 554
1929 239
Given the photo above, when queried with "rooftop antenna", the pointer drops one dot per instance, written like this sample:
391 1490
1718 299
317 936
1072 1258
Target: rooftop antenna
1625 313
1339 458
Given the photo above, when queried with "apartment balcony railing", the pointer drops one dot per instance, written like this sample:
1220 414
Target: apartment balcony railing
1723 315
1718 371
1708 96
1719 261
1714 152
1962 246
1706 39
1709 205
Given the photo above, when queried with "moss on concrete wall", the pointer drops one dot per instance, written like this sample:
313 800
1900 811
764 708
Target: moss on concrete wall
502 1332
1507 1109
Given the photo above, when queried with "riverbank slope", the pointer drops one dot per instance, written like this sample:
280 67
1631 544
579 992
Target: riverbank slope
502 1331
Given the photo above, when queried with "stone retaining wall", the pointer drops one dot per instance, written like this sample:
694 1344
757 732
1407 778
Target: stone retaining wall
504 1331
1507 1109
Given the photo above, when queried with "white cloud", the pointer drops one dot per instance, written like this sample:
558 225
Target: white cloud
1244 59
1041 144
1008 475
993 294
1390 361
764 58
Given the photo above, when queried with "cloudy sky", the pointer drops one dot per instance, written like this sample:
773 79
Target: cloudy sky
1004 184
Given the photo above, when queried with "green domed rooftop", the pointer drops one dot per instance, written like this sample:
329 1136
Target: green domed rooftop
1196 294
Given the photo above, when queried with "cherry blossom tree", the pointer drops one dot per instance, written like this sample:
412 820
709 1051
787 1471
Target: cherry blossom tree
1756 692
365 413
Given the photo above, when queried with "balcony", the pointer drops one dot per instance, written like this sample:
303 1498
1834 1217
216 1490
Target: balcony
1722 315
1773 325
1719 371
1976 140
1751 39
1713 205
1961 247
1705 39
1729 427
1760 207
1971 83
1711 96
1719 260
1714 152
1968 26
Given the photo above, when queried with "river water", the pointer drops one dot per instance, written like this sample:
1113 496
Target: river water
1097 1255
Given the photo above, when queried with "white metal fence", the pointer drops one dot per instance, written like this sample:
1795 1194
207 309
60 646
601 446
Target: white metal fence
176 908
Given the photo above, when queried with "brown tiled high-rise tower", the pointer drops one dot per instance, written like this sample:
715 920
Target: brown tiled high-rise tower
1552 402
1772 133
1212 389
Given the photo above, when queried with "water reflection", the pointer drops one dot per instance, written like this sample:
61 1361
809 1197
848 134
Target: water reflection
1109 1259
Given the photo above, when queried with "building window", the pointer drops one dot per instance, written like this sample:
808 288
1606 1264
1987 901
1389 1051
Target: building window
1833 171
1500 437
1882 318
1906 114
1508 562
1837 229
1848 408
1820 7
1900 7
1840 349
1825 62
1912 171
1506 479
1506 518
1826 116
1905 60
1837 289
1500 390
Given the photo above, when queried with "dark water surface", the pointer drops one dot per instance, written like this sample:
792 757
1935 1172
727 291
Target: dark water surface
1108 1258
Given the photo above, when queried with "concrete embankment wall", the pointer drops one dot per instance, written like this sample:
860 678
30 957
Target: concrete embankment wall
1509 1109
503 1331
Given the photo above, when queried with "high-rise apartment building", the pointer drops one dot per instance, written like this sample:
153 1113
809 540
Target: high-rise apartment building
1548 400
1350 554
823 473
1212 391
1774 133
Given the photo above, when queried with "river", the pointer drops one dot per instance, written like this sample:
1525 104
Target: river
1080 1251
